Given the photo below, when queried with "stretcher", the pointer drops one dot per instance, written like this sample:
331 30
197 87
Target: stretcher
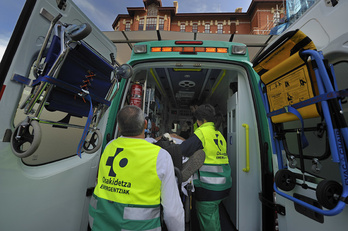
184 169
71 77
297 83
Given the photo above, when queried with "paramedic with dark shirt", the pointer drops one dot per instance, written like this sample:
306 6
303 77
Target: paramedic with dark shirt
213 180
135 177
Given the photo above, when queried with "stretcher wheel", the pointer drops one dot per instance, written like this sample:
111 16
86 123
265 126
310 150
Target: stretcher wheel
26 138
328 193
285 180
92 142
79 32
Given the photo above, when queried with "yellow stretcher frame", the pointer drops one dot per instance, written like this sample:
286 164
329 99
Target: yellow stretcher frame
288 77
289 44
289 83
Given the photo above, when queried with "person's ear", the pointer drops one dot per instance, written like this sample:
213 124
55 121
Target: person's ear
145 126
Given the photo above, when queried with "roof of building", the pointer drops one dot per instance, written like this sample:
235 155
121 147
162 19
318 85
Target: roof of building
173 10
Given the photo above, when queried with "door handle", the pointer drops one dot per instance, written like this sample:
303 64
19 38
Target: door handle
247 168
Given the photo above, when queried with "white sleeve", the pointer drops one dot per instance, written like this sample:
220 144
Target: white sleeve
173 212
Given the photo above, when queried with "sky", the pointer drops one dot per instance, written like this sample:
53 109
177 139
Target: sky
104 12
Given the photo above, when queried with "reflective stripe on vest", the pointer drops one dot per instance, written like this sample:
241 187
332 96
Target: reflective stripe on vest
134 213
155 229
213 180
108 215
211 168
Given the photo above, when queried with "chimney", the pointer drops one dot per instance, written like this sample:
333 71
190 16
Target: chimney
176 5
239 10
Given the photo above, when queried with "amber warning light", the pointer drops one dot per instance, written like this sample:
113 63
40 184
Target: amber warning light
190 49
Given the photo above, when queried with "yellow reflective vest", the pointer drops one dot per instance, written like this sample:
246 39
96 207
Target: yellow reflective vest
127 195
215 174
127 172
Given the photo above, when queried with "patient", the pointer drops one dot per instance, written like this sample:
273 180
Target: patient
171 143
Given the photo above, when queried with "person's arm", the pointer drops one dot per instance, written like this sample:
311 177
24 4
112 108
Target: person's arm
173 212
189 146
174 135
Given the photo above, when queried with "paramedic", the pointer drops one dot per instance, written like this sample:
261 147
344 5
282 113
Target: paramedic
213 180
134 178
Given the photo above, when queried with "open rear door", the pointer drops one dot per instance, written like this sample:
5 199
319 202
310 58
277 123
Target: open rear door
44 184
309 134
243 204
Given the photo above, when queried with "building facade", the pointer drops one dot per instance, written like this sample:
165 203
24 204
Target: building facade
260 18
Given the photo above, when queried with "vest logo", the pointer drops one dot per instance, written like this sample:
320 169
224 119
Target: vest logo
110 162
116 182
218 141
108 183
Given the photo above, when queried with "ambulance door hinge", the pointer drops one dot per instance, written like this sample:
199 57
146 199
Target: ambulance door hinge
89 191
280 209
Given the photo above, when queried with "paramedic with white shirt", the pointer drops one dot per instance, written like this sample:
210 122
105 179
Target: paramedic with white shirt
135 177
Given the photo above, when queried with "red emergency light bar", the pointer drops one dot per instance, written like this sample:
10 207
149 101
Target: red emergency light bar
188 42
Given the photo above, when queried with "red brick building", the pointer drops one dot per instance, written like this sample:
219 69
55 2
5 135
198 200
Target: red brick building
260 18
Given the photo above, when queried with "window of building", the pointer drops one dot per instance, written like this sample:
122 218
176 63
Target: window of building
194 28
151 23
127 26
219 28
152 10
182 27
141 24
161 24
207 28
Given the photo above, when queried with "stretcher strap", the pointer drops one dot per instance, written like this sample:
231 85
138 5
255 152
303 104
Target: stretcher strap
292 110
315 99
85 130
22 79
69 87
59 83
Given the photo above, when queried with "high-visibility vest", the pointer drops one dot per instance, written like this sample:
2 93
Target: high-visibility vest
128 189
215 174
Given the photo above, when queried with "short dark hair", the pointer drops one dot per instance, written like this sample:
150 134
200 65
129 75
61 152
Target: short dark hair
207 112
131 120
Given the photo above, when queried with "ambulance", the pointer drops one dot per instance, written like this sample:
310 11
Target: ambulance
284 115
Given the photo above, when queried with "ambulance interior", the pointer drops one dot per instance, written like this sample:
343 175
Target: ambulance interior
169 88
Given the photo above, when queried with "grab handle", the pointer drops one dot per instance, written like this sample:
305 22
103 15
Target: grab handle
247 168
